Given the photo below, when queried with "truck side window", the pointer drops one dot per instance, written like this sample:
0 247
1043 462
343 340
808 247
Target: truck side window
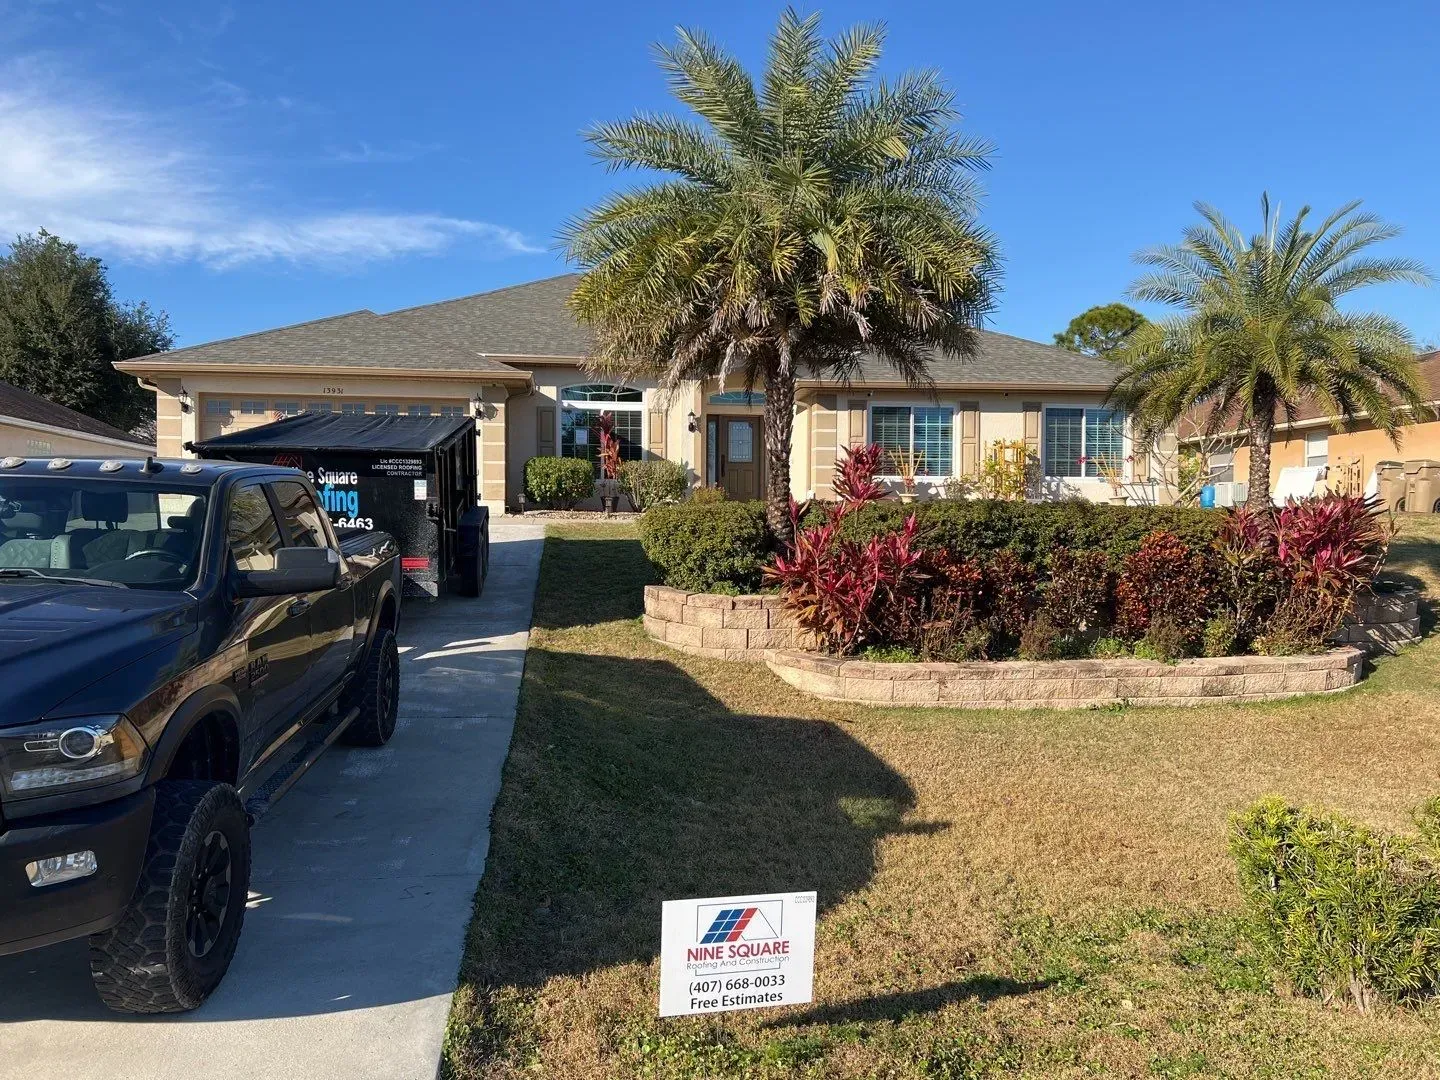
302 516
254 536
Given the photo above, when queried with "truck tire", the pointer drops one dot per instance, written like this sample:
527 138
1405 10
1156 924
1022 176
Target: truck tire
177 937
378 695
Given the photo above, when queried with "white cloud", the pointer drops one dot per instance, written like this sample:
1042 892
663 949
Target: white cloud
133 186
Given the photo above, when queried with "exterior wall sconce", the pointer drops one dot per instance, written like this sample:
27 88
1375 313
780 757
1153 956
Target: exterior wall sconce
691 423
477 407
186 402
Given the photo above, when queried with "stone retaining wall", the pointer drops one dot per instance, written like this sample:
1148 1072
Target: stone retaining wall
1069 684
721 627
1383 621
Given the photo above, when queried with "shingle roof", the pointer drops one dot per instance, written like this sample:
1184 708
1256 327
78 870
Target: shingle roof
23 405
521 320
531 320
357 339
1002 360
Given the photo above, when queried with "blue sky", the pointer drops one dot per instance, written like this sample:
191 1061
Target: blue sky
247 165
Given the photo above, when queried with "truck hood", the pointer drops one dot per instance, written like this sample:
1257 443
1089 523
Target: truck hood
56 639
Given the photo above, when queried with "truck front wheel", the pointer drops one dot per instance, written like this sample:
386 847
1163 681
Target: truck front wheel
175 941
377 694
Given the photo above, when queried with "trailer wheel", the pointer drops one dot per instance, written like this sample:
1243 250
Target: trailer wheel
175 941
379 695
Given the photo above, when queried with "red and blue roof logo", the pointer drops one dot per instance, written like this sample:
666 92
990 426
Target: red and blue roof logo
738 924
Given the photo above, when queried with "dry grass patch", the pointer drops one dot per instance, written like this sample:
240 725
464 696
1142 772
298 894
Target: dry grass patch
1039 894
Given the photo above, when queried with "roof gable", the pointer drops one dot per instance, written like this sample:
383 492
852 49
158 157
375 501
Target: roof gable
22 405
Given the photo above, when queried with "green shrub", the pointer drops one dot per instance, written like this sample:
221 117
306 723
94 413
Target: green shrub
1109 648
979 527
1344 912
704 546
889 654
708 495
653 483
559 482
1041 640
1221 637
1166 640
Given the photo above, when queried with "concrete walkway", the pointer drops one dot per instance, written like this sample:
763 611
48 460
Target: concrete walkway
361 890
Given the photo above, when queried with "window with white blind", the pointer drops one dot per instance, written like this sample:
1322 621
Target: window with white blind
1317 447
580 409
926 430
1077 441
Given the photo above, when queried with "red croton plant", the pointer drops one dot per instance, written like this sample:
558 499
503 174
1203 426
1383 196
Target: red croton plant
843 590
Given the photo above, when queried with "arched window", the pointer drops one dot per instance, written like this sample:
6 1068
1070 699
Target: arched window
580 409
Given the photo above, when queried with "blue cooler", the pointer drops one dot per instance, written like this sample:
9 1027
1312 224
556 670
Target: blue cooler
1207 496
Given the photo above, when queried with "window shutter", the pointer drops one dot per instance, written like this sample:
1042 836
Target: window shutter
1140 467
544 430
1032 428
969 438
857 421
657 433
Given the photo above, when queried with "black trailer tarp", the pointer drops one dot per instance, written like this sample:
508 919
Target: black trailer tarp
340 433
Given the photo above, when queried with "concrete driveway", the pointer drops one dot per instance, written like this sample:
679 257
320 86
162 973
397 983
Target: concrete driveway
361 891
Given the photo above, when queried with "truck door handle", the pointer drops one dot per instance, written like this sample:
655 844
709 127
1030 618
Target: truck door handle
298 607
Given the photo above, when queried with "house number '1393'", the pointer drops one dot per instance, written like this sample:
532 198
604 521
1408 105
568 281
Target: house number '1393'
333 389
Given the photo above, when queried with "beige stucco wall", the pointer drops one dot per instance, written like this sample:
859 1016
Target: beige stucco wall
830 421
1366 444
22 439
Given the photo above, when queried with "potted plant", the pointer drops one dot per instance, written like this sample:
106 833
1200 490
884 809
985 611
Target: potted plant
908 465
609 464
1112 471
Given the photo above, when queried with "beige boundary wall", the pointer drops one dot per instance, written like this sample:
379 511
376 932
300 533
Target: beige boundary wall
1069 684
758 629
721 627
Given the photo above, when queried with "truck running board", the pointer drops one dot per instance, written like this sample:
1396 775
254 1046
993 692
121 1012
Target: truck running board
317 738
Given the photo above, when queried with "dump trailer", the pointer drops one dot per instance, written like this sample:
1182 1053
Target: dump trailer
413 477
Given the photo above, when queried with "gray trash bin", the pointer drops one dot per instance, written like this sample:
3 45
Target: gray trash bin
1390 479
1422 485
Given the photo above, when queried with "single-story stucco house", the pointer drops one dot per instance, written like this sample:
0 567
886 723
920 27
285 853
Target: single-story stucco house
514 360
33 426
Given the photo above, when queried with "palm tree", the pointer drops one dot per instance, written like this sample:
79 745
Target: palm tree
1260 331
806 222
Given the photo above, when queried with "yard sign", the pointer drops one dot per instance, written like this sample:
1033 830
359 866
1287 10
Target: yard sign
736 952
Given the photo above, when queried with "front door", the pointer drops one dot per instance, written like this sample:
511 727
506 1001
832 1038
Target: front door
740 445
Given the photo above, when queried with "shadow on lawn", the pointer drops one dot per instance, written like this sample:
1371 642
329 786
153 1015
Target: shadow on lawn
899 1006
629 784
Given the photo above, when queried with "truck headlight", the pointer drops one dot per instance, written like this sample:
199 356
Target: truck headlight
63 755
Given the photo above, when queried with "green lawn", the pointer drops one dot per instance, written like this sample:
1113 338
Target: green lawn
1041 894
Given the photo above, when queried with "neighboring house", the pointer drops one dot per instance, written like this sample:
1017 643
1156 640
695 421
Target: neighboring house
33 426
1310 438
513 359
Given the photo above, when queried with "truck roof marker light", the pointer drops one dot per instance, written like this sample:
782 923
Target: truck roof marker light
190 468
12 462
111 466
59 464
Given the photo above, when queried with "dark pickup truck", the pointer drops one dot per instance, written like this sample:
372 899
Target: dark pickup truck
179 641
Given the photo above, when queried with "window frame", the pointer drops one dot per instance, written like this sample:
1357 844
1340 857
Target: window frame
927 476
563 406
1324 434
1126 443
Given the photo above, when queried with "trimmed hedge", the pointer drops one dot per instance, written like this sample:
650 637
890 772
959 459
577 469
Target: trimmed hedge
979 527
1344 912
559 482
648 484
707 546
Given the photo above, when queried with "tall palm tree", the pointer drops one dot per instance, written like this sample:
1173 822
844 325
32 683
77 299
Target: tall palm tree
1260 331
807 221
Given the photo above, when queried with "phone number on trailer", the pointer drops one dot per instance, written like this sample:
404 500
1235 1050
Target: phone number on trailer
752 982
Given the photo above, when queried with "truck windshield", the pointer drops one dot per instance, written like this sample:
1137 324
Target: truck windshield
103 531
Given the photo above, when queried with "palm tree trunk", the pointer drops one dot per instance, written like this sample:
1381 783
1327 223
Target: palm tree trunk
1262 429
779 423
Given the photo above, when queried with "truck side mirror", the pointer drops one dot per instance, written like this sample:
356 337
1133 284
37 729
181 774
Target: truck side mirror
297 570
